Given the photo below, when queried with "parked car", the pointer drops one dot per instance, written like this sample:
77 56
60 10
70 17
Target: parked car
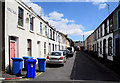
56 57
70 53
65 52
70 49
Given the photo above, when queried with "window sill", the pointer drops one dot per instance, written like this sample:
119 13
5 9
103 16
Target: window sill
20 27
31 31
42 35
39 34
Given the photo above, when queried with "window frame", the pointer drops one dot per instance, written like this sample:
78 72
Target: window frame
44 47
45 30
20 16
31 23
40 27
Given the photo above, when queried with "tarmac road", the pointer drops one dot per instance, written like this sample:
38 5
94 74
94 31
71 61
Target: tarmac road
85 68
79 67
57 72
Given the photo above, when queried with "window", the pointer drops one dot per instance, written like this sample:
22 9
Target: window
104 46
53 46
31 23
98 33
105 28
45 30
110 46
62 48
97 47
56 37
39 48
111 24
101 31
41 27
20 17
44 47
53 35
29 50
55 54
49 47
100 47
117 47
95 35
50 33
119 19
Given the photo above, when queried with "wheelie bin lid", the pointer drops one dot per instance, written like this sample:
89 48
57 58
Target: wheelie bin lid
41 58
27 57
16 58
32 60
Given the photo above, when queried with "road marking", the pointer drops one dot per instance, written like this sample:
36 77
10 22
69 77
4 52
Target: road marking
37 74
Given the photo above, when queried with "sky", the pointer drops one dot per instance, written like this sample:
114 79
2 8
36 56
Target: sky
74 18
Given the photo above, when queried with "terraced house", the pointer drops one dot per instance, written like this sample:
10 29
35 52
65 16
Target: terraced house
24 33
107 37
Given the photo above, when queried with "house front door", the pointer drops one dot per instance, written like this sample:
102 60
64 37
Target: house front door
12 52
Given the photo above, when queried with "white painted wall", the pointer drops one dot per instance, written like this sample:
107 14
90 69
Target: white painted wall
101 39
24 33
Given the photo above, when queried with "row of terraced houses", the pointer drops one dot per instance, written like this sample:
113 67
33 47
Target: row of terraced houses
105 40
24 33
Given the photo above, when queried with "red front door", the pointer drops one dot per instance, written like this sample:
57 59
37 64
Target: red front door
12 52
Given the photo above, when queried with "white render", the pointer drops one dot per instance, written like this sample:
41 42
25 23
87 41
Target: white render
23 33
101 39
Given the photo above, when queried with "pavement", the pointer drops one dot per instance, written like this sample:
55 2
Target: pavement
86 68
12 76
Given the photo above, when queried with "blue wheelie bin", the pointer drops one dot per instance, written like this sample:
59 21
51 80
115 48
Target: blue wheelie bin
42 64
17 65
25 59
31 63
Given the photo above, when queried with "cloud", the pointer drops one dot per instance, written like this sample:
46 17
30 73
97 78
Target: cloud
96 1
88 33
101 3
57 19
101 6
67 26
55 15
38 9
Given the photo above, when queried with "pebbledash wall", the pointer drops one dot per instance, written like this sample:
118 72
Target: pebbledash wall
36 41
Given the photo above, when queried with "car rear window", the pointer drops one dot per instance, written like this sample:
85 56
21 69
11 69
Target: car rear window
56 53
